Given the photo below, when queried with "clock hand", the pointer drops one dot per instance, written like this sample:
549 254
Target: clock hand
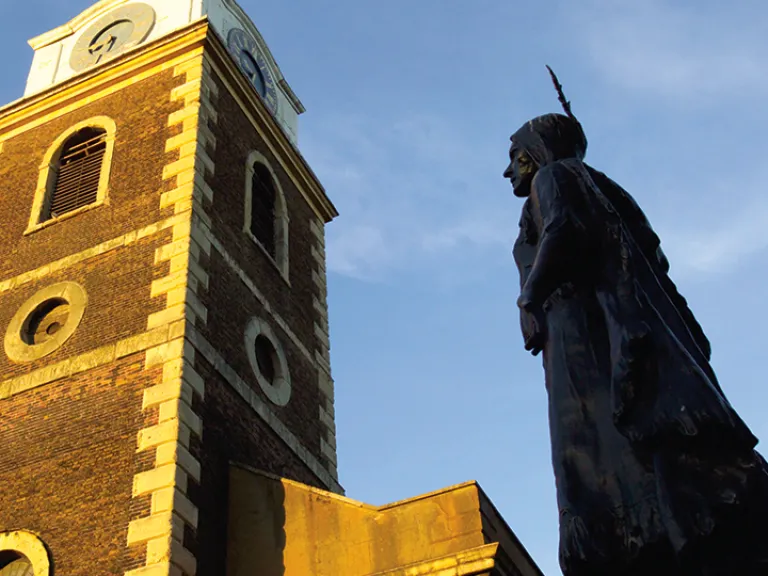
98 47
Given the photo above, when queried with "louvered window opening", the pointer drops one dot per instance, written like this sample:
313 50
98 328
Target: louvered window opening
14 564
263 208
18 568
79 171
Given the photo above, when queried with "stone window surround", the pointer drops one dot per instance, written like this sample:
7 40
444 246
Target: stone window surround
30 546
279 391
19 351
48 169
281 214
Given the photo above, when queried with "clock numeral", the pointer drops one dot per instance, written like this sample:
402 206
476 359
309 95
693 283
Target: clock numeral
254 65
235 40
240 41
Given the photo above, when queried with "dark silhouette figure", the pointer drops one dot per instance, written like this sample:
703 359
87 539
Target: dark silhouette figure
655 471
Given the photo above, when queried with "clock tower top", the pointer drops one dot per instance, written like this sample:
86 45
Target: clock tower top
111 28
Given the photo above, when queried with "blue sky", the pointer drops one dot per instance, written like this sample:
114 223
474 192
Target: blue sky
410 104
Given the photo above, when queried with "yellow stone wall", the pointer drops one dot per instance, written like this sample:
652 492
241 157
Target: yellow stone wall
282 528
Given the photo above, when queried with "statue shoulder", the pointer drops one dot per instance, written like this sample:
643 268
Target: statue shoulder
556 180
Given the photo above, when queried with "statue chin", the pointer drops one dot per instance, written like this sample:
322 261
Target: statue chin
522 190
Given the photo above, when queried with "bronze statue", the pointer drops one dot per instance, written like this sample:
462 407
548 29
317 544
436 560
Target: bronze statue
656 473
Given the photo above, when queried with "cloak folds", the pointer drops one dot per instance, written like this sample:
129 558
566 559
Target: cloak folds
650 459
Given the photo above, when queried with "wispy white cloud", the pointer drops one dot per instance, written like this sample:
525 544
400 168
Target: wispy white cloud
361 251
720 247
681 52
417 192
411 192
412 195
489 231
704 58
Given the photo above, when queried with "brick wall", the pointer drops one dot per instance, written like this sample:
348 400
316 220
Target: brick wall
66 466
117 284
230 307
141 114
294 303
233 433
231 304
68 448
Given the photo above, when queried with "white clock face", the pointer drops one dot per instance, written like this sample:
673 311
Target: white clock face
253 65
109 36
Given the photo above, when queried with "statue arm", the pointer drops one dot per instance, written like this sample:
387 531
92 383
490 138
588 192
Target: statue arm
560 238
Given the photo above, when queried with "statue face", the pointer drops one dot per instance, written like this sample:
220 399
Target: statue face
520 171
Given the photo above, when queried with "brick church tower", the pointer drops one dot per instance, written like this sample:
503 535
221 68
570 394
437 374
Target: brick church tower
163 288
166 400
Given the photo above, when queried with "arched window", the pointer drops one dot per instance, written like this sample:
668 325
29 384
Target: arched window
263 207
78 171
74 173
266 213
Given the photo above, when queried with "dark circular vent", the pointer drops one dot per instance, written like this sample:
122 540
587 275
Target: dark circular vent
45 321
265 357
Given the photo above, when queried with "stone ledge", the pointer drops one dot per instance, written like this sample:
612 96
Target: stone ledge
322 336
327 420
166 549
84 362
163 477
318 230
327 451
172 500
98 250
325 383
161 569
176 409
167 351
154 526
176 452
156 435
170 390
191 86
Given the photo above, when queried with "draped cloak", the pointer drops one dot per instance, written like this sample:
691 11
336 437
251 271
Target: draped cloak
652 464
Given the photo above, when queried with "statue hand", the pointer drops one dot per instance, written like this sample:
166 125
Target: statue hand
533 324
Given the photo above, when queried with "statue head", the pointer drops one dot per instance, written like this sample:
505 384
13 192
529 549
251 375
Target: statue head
540 141
543 140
